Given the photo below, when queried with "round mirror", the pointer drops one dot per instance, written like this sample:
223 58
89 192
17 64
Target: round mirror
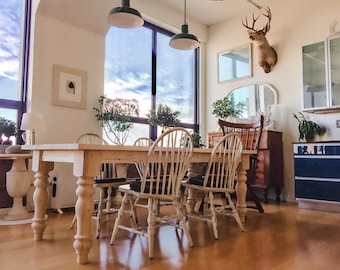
257 98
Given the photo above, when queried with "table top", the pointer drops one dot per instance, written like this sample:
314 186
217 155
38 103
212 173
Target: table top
77 146
122 153
15 156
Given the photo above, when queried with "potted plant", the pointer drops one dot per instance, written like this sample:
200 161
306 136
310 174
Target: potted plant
8 129
164 117
115 115
308 129
196 139
225 108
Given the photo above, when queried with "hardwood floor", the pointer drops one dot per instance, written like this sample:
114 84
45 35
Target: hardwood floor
283 238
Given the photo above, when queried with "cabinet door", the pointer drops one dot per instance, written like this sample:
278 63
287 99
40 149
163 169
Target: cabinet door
334 56
314 76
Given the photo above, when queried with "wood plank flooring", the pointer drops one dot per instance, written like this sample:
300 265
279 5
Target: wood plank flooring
283 238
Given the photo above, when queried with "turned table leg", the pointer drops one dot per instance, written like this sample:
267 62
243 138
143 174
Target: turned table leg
84 210
241 191
40 196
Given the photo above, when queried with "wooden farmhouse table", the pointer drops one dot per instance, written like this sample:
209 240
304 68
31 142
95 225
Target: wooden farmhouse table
87 160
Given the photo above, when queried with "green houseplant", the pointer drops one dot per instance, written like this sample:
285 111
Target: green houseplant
225 108
196 139
164 116
8 129
115 115
308 129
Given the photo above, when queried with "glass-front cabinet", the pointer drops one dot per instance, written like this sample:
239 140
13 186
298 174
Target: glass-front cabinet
321 75
314 76
334 68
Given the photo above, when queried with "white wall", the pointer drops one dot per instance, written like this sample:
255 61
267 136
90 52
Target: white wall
294 24
59 43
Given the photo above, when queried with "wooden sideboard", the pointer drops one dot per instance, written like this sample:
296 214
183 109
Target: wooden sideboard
317 174
269 172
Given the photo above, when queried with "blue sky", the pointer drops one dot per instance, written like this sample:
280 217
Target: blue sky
9 47
128 70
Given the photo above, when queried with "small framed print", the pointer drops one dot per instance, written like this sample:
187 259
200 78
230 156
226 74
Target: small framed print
69 87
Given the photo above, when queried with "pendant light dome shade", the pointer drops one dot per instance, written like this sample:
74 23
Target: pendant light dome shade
184 40
125 16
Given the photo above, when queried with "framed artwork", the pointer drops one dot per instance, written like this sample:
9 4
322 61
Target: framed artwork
235 64
69 87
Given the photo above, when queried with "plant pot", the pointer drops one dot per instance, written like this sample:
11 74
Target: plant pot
3 148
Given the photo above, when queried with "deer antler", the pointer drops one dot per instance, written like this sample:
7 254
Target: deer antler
266 28
254 21
269 16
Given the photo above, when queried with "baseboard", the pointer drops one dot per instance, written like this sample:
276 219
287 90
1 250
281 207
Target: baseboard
318 205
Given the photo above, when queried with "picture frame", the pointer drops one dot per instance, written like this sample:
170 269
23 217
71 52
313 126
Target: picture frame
235 64
69 87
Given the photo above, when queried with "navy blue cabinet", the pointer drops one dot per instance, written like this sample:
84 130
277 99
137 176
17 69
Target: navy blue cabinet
317 175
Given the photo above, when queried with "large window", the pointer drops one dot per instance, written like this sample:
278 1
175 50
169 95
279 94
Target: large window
14 25
140 64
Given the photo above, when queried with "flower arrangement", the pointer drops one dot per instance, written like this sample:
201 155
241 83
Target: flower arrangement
164 116
8 129
115 115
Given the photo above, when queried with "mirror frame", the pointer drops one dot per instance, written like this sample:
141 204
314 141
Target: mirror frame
272 88
225 68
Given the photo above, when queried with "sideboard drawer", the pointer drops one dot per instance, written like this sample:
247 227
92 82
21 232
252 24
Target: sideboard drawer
317 166
317 189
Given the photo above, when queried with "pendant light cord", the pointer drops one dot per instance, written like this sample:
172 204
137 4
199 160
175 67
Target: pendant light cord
185 11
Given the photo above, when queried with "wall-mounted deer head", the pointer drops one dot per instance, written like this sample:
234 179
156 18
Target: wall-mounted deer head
267 55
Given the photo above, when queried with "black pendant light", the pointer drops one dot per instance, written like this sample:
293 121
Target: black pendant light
184 40
125 16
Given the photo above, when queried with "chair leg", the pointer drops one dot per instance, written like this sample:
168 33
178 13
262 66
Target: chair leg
255 199
133 213
183 221
100 212
234 211
118 219
152 212
73 221
213 214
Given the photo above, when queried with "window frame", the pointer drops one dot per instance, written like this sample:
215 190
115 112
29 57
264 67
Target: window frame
142 120
20 105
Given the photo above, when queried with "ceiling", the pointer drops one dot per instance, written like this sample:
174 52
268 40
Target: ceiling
210 12
207 12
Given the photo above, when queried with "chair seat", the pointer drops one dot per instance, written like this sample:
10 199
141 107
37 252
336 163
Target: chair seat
136 186
109 180
199 181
